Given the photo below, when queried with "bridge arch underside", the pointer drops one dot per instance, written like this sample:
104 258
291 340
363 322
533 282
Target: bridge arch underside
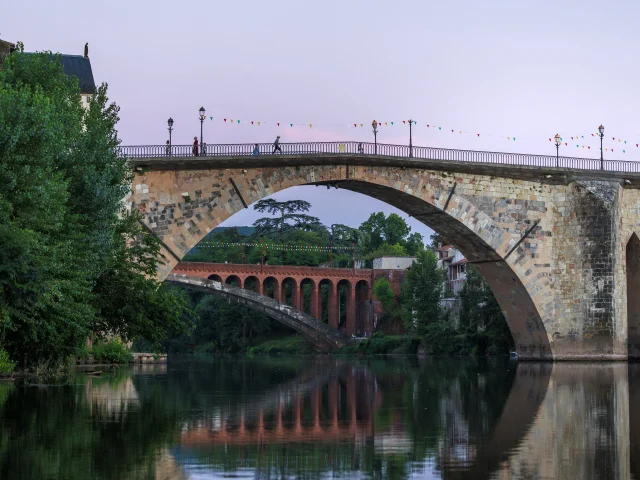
521 288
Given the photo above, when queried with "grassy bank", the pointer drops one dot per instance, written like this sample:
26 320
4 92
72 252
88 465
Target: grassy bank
292 345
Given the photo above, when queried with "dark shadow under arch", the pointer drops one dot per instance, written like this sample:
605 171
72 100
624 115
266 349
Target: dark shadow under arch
633 296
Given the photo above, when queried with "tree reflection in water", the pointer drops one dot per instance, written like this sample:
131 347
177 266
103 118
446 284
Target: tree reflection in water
306 417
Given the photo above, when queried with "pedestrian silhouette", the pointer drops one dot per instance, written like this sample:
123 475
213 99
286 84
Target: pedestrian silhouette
360 148
195 146
256 150
203 149
276 145
168 148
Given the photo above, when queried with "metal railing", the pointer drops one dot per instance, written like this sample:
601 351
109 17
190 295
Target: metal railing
383 150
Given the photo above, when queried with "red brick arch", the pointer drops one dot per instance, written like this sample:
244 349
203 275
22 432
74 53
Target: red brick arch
294 276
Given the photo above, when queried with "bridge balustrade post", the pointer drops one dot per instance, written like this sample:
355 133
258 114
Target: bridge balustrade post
277 291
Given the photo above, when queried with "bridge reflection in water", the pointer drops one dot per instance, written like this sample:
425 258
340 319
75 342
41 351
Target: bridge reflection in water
541 421
274 418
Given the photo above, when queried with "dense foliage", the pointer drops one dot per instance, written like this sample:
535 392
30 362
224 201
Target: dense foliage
67 271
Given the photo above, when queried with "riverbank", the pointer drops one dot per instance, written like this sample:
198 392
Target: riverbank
436 342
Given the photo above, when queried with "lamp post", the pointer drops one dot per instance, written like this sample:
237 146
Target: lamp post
557 139
170 123
202 117
410 140
601 134
374 124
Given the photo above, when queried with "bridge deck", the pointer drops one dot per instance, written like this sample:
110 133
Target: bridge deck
515 165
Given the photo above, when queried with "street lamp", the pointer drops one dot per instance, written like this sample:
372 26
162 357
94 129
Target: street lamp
374 124
410 140
170 123
601 132
557 139
202 117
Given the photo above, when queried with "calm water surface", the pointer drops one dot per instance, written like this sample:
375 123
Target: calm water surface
325 417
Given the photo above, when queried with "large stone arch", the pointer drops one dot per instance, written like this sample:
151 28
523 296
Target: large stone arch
182 206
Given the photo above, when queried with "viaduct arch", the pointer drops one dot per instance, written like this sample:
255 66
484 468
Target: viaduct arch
545 240
324 336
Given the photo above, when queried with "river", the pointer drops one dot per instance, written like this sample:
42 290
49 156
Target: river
322 417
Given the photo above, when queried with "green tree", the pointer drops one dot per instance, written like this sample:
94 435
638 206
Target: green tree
437 240
479 310
62 219
395 229
421 292
414 243
288 216
385 294
372 232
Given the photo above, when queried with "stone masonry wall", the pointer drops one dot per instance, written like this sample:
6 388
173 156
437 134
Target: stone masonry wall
552 253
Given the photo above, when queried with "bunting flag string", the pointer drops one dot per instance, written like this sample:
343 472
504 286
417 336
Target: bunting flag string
581 139
273 246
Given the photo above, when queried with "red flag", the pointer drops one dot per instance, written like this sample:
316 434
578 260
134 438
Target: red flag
225 119
278 124
589 148
451 131
427 125
251 123
549 139
478 134
403 121
565 143
355 124
613 138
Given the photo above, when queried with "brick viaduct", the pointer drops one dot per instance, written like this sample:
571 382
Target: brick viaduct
287 284
558 247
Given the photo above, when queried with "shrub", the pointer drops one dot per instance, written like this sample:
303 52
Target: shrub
112 351
6 365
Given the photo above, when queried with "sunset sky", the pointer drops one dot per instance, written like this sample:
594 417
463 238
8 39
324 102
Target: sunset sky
495 70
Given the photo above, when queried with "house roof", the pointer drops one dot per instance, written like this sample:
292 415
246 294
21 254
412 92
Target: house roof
445 248
459 262
80 67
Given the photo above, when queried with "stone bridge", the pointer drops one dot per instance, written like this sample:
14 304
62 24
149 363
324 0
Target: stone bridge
301 287
555 238
323 335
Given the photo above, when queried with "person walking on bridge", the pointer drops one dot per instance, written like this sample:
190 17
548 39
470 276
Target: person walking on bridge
195 146
276 145
256 150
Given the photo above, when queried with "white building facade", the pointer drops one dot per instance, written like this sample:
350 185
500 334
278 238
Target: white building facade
455 265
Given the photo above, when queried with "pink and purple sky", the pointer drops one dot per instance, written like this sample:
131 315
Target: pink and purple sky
498 68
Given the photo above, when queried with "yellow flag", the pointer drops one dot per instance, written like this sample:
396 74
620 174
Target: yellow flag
508 138
231 120
385 124
460 132
310 125
619 140
360 124
258 123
